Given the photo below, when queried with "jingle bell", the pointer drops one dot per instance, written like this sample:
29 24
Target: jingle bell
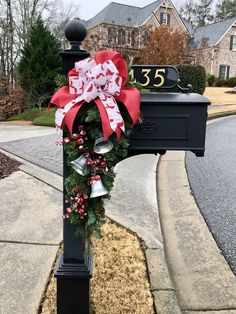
79 165
98 189
101 146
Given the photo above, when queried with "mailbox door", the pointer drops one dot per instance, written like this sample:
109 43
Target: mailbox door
171 121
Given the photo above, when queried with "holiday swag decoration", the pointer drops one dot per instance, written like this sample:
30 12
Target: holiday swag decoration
97 113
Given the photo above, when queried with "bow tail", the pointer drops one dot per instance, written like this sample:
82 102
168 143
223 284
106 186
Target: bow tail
130 97
62 97
106 127
69 118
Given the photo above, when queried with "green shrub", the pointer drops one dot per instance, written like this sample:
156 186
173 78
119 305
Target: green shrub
211 79
231 82
194 75
220 82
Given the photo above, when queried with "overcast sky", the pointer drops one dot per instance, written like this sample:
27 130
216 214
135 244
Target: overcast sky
89 8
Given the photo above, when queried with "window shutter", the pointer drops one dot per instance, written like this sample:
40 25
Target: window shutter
161 17
168 19
231 42
227 73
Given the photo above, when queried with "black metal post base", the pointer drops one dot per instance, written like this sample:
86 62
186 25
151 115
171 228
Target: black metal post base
73 286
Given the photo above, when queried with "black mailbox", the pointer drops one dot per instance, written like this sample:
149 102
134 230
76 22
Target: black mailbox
171 121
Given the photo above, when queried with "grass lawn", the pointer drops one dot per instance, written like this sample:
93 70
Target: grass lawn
217 96
28 115
47 118
38 116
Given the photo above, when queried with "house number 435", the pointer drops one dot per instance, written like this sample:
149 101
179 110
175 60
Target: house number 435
149 77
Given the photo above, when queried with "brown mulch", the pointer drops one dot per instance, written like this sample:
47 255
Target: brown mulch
120 282
7 166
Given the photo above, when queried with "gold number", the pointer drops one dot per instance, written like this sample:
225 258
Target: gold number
146 72
160 76
131 73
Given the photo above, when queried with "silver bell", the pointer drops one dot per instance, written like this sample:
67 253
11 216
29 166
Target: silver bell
98 189
101 146
79 165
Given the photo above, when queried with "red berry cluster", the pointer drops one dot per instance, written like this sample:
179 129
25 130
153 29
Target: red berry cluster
80 137
97 164
78 209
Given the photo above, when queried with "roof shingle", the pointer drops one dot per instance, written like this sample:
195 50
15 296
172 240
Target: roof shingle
211 34
123 14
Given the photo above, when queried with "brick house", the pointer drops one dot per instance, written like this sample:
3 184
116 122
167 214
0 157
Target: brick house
214 47
124 28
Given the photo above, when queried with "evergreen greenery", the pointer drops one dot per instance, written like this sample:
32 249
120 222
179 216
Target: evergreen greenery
39 64
77 185
225 9
194 75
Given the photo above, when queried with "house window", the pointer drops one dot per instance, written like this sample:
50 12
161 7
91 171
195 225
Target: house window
233 42
112 36
164 18
224 71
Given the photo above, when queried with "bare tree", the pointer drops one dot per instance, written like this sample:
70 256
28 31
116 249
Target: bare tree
17 18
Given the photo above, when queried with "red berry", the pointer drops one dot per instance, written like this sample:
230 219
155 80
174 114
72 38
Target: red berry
85 196
97 177
80 141
66 140
81 147
74 136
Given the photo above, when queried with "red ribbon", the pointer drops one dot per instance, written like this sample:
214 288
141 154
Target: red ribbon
129 96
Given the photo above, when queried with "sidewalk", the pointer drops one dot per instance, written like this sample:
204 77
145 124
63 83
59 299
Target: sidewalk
29 243
30 224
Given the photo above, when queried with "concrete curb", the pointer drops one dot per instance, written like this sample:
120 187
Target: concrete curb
220 114
165 297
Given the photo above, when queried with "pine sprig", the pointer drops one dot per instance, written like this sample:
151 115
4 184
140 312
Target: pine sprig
90 222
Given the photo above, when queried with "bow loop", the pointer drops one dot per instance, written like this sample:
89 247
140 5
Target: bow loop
101 80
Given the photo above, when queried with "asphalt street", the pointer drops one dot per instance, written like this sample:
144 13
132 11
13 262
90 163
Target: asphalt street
213 183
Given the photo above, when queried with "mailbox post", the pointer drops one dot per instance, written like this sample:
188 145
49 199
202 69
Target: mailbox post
73 269
171 121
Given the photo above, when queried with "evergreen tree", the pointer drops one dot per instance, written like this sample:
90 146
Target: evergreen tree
225 9
187 11
203 14
39 64
198 14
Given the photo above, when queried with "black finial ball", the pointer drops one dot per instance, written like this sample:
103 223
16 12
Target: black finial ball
75 31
